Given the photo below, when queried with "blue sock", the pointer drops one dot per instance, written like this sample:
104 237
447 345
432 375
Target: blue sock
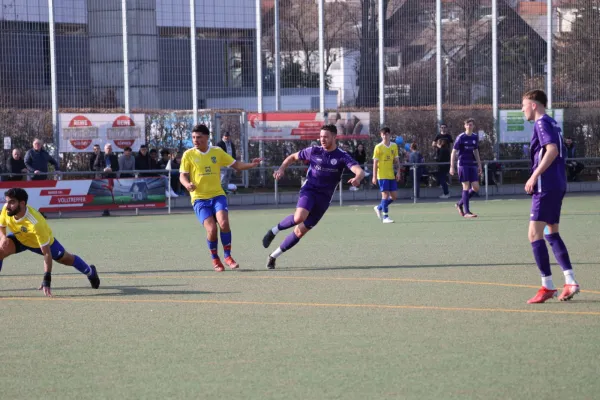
389 201
381 205
81 265
226 241
213 247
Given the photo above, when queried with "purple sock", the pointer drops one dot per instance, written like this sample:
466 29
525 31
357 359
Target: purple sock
290 241
464 201
286 223
560 251
542 258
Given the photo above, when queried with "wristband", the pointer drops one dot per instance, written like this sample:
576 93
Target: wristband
47 279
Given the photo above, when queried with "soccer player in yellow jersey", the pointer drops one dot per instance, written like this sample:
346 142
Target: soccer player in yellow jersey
384 158
30 231
200 174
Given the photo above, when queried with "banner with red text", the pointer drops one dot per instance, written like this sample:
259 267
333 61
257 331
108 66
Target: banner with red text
93 194
306 126
80 132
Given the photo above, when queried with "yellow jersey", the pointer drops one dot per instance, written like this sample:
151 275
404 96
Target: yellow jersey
385 157
32 230
204 171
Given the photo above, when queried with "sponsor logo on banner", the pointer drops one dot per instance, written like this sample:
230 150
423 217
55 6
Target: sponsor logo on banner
80 132
123 132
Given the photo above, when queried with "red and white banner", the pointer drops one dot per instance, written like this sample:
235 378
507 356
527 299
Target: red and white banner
80 132
92 194
306 126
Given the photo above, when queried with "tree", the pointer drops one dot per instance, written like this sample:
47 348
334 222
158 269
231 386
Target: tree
578 54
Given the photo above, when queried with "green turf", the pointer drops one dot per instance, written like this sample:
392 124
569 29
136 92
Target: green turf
431 307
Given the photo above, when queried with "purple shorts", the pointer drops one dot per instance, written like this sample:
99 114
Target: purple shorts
545 206
468 174
315 203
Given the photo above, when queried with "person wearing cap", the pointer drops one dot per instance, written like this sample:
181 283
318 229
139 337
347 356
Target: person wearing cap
228 147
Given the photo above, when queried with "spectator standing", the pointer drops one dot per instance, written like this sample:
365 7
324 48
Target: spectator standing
108 164
16 165
37 160
443 156
443 135
126 163
228 147
574 167
415 157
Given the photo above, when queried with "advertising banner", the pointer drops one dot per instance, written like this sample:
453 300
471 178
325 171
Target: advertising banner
80 132
306 126
515 129
93 194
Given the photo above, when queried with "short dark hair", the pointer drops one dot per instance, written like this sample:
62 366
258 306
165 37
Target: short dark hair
144 146
226 134
153 151
385 130
537 95
443 124
164 151
17 194
413 146
469 120
330 128
201 128
127 148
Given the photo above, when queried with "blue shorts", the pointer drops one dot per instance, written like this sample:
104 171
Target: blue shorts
388 185
210 207
546 206
56 249
468 174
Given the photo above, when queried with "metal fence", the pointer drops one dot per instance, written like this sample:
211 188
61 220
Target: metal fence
268 55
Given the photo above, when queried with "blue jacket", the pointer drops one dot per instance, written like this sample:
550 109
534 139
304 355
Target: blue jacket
38 161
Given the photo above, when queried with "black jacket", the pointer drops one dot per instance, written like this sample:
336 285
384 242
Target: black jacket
443 155
15 167
100 164
222 145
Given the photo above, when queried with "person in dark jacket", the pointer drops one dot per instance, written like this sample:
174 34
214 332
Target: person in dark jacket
108 164
415 157
573 167
228 147
144 162
37 160
16 165
443 156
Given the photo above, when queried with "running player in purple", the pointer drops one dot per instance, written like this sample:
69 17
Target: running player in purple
327 163
547 185
469 166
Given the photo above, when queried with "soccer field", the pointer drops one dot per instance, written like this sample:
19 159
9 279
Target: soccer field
431 307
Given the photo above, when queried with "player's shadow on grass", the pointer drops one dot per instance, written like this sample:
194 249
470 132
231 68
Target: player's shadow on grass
122 291
158 271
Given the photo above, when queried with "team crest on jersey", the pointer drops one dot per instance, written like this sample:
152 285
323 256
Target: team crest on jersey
214 160
333 161
23 229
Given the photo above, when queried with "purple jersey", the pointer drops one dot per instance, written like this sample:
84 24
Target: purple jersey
326 167
466 146
546 131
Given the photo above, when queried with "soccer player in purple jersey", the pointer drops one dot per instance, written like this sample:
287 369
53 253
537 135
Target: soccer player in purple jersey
547 185
466 147
327 163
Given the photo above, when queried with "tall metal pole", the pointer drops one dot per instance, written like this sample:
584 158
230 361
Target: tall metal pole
194 61
321 56
495 76
259 72
381 65
438 58
53 88
125 56
549 54
277 60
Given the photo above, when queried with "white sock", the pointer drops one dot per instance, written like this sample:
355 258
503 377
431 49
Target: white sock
275 230
547 282
277 253
570 277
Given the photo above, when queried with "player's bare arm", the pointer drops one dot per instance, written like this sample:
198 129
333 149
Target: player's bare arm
453 160
476 154
184 179
359 175
549 156
398 166
375 163
240 166
45 286
286 163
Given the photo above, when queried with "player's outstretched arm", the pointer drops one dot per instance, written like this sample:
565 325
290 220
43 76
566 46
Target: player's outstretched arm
452 161
240 166
359 175
286 163
45 286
